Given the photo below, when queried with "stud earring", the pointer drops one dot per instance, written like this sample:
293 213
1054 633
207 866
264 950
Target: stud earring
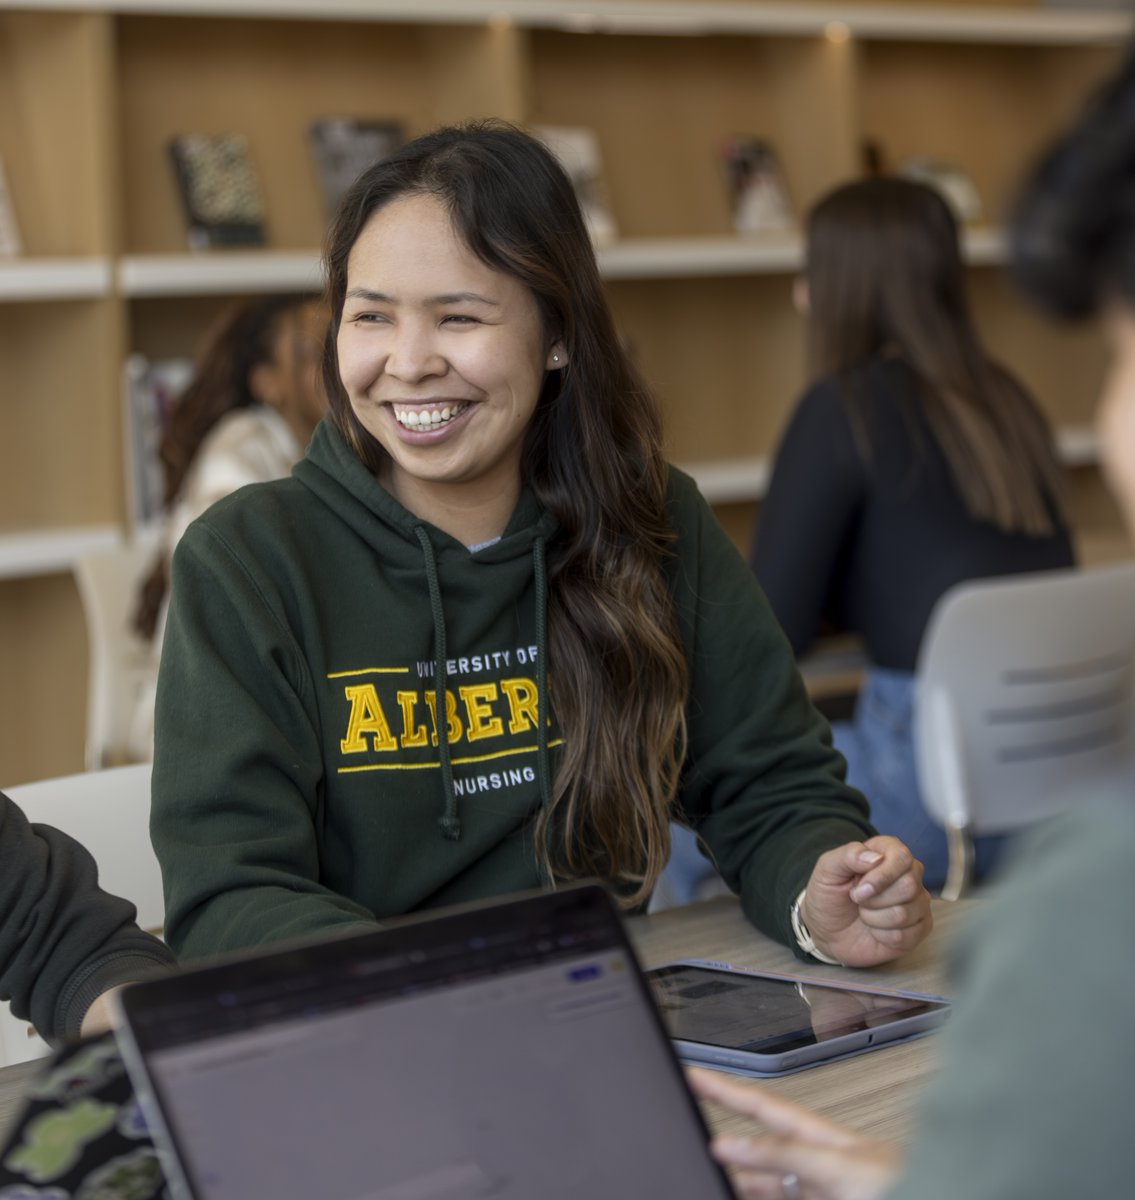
555 358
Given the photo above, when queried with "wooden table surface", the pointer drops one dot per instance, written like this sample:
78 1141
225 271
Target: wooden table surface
875 1092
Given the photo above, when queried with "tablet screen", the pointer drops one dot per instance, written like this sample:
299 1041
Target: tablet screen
768 1015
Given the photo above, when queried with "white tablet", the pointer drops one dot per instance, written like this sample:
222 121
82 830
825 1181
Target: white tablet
768 1024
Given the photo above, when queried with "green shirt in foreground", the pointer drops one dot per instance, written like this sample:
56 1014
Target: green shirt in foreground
1037 1087
299 784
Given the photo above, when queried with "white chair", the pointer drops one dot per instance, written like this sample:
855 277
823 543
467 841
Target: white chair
109 813
121 662
1024 697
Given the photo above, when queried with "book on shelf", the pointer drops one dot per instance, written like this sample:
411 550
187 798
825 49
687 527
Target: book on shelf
758 195
220 192
11 244
343 147
151 389
951 183
577 149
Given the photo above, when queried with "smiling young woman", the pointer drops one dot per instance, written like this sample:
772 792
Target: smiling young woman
485 638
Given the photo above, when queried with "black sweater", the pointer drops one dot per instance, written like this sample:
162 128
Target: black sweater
868 542
63 940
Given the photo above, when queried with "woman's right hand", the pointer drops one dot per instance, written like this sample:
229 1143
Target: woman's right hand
802 1156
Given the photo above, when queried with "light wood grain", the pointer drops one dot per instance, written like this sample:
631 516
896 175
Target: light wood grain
55 133
43 644
478 72
874 1092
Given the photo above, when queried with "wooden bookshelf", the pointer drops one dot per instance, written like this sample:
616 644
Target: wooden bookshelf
92 90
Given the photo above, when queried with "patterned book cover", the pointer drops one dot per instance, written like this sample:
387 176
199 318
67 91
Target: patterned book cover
219 190
343 147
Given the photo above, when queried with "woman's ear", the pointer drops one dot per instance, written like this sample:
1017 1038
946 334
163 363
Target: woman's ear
557 357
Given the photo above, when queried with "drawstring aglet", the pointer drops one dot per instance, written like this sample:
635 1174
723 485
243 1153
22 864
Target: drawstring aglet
451 827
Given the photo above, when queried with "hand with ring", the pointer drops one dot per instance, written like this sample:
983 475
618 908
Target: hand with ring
801 1156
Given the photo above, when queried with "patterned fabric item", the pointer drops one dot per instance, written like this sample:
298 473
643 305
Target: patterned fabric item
81 1135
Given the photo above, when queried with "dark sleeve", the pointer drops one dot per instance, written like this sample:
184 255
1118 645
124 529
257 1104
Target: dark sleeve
63 940
762 785
818 482
1037 1085
236 829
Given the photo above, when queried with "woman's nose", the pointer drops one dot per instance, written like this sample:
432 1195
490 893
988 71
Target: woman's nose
414 354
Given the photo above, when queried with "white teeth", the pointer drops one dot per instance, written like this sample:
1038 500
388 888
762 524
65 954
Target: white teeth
413 418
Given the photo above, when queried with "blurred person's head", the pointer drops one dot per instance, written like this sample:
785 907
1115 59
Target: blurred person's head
884 275
1073 252
885 278
262 352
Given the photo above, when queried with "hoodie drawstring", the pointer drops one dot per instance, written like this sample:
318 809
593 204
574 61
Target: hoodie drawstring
449 821
540 569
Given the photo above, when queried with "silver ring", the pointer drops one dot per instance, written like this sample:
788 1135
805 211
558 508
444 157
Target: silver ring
790 1185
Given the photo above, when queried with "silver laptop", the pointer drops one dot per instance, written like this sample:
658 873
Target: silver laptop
510 1051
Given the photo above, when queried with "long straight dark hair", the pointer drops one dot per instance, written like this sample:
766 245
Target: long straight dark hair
592 455
885 276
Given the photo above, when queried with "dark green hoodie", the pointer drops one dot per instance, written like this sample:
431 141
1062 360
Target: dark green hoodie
299 781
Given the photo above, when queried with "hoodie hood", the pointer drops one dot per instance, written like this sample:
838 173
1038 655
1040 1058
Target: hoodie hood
340 479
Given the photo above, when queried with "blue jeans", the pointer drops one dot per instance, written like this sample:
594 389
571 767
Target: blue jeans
878 744
688 876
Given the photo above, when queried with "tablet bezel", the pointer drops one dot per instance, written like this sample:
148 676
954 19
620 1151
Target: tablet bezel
794 1058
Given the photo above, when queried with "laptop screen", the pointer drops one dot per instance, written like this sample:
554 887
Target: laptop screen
506 1051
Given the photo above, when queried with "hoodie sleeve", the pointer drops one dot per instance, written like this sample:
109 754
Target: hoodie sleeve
238 765
63 940
762 785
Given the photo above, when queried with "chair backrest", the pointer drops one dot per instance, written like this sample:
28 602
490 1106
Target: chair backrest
122 664
1025 694
109 813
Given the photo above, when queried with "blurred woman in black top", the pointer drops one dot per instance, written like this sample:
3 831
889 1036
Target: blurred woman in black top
912 463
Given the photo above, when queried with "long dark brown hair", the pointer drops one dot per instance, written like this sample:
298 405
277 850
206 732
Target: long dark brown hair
885 276
242 338
592 455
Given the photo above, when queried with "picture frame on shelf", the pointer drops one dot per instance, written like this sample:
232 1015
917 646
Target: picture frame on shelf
579 153
11 243
758 194
219 190
343 147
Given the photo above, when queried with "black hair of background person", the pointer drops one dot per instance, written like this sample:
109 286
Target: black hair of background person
1072 228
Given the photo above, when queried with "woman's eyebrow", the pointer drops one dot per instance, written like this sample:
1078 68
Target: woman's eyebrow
373 297
463 298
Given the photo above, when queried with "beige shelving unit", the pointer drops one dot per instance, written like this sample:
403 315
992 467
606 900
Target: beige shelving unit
91 91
